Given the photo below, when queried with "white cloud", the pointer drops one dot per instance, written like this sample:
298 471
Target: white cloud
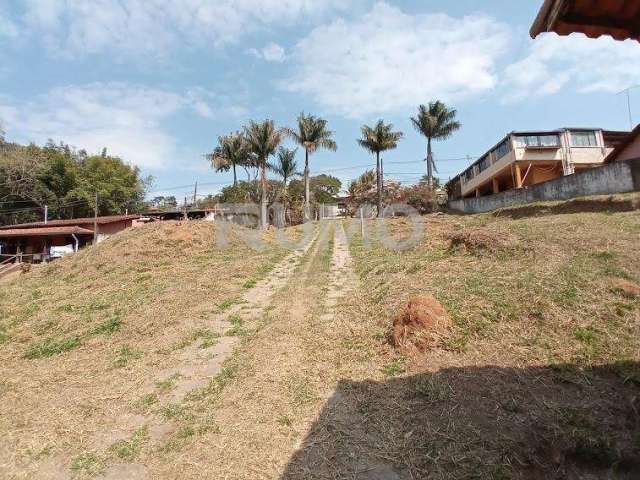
271 53
127 119
388 60
577 62
156 26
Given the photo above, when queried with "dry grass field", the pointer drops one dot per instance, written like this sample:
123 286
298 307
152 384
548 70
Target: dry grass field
538 377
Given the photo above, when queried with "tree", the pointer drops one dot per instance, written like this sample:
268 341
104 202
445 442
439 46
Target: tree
379 139
287 166
263 139
232 151
436 122
312 134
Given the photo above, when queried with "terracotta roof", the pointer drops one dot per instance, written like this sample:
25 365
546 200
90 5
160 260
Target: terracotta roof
595 18
622 145
74 221
44 232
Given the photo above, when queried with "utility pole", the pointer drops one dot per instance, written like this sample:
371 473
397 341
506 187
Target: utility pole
627 91
46 214
95 221
195 194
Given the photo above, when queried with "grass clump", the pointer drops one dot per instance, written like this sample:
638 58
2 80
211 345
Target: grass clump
394 368
108 327
249 284
237 329
129 449
50 347
87 464
126 354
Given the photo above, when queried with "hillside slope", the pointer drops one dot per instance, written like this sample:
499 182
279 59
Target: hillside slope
84 338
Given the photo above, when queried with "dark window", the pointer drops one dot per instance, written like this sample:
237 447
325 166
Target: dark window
484 163
502 149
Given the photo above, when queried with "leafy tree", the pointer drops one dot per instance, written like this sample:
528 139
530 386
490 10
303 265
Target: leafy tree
263 140
232 151
379 139
436 122
312 134
66 181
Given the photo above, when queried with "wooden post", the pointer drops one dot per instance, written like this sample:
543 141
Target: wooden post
496 186
518 175
362 222
95 222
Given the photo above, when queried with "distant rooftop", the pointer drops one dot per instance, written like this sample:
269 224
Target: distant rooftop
73 221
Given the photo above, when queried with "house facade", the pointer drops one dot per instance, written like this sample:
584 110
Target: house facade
38 241
526 158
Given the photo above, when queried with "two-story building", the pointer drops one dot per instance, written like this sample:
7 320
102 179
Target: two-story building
526 158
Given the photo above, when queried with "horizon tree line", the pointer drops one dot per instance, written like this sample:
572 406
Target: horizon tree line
252 148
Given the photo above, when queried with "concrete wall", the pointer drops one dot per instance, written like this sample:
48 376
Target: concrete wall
616 177
631 151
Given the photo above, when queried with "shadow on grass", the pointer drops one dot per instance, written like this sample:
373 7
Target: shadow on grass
554 422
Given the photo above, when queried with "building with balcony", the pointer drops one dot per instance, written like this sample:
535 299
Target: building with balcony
526 158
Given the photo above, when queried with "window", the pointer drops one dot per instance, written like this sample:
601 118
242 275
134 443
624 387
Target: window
484 163
584 139
502 149
468 175
538 141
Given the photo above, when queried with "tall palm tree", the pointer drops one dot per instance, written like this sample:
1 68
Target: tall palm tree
232 151
379 139
263 139
312 134
287 165
436 122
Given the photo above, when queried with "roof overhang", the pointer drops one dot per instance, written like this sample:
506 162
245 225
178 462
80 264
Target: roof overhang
44 232
619 19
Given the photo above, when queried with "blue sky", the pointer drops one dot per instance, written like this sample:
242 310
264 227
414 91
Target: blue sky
156 81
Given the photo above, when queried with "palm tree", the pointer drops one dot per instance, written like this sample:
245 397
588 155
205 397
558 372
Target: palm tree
286 167
312 134
436 122
263 139
232 151
379 139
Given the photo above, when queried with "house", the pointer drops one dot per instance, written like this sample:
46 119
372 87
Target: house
629 149
618 18
38 241
526 158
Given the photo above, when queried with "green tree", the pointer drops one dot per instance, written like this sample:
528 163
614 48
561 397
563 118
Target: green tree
436 122
286 167
312 134
232 151
263 140
379 139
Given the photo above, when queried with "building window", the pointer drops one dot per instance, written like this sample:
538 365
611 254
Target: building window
584 139
483 163
502 149
538 141
468 175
